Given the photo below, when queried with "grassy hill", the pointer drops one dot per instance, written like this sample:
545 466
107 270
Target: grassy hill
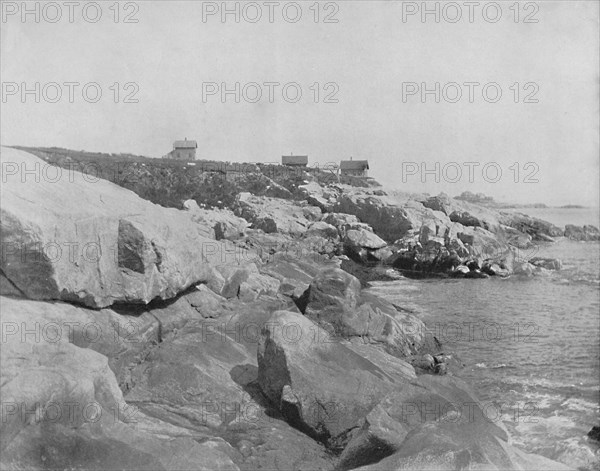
210 183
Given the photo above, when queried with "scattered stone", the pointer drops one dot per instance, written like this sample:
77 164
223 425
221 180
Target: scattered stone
547 263
323 229
476 274
276 215
365 239
525 268
462 270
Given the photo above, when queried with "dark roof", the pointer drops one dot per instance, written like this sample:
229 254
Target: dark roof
294 159
185 144
354 164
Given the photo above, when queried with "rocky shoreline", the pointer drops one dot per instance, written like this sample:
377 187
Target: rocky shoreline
137 336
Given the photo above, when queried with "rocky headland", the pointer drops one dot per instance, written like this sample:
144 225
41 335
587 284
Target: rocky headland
185 318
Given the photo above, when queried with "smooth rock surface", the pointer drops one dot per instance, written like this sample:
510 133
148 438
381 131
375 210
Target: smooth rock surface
86 240
319 385
334 301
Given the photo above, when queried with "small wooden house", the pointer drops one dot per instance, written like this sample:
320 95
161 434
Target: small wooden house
355 168
183 150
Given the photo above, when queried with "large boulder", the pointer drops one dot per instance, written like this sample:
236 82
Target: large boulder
465 213
294 273
106 445
86 240
323 229
204 380
196 304
344 222
547 263
315 194
538 229
447 445
124 339
275 214
319 385
40 380
61 404
437 422
524 269
365 246
222 222
389 220
516 238
335 301
364 239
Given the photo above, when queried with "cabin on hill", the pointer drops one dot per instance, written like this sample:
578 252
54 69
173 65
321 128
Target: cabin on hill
183 150
355 168
294 160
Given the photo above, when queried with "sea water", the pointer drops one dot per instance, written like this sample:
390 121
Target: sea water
531 346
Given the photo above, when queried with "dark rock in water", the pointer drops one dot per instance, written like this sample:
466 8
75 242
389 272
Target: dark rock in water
594 434
428 364
538 229
547 263
476 274
494 269
524 268
460 271
474 264
585 233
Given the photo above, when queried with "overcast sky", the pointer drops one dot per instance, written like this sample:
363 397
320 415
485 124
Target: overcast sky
368 57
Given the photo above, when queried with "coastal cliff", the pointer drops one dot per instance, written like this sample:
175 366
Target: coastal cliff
213 321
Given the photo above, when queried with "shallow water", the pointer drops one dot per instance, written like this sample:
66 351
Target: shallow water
530 345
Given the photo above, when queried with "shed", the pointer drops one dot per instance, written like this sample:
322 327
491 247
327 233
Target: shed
356 168
183 150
